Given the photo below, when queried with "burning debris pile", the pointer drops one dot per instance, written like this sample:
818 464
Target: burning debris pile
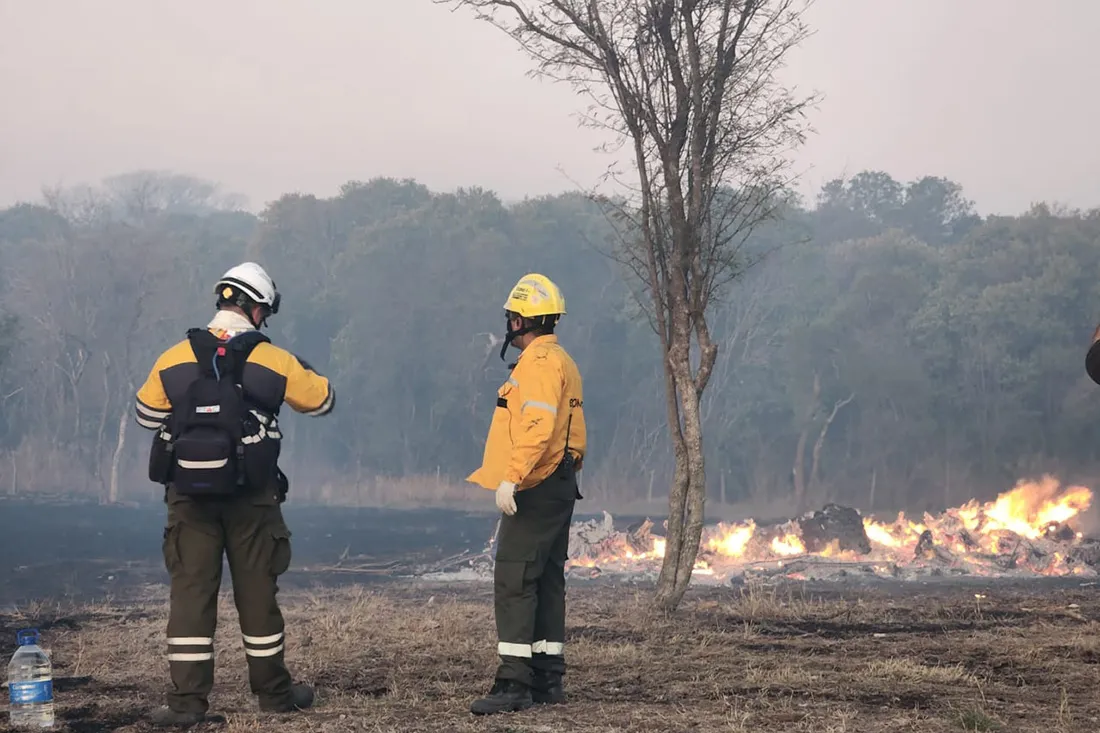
1026 531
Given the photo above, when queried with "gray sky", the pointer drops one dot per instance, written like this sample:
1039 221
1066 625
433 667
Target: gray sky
273 96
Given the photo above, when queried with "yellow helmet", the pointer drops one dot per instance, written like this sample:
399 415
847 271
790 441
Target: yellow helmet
535 295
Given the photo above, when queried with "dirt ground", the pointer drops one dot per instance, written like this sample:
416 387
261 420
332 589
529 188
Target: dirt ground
410 657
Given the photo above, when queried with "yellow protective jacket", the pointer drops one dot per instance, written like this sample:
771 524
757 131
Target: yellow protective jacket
271 376
540 403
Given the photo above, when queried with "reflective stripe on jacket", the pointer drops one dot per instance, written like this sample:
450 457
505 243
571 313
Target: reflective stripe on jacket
527 437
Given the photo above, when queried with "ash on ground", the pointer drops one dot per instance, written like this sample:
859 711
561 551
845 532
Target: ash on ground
1024 533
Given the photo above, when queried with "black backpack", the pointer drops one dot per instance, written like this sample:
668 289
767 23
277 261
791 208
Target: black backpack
201 450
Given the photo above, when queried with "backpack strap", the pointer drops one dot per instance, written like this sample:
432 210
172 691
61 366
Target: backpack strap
205 345
214 356
240 348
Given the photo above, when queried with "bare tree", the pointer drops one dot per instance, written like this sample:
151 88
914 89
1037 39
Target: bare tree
691 86
138 195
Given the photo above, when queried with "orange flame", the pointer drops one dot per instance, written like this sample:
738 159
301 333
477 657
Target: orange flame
1016 524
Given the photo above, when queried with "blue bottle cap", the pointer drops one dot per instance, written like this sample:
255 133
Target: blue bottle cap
26 637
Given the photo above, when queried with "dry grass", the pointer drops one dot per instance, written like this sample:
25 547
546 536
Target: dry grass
410 658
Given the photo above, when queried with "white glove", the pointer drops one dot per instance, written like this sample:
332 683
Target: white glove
506 497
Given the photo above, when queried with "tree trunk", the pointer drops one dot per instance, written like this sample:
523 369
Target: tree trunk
815 466
696 497
798 472
688 495
667 596
101 429
116 459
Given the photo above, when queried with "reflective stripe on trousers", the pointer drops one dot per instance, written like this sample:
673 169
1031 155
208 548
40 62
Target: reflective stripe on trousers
525 651
190 649
263 646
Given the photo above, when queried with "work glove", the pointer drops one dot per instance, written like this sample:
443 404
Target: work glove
506 497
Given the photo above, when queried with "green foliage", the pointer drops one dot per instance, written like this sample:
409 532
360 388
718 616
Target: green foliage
960 341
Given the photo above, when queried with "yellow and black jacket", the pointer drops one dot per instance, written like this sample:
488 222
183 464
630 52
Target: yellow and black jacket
271 376
540 410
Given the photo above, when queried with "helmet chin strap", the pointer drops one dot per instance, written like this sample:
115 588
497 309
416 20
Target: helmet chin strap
247 305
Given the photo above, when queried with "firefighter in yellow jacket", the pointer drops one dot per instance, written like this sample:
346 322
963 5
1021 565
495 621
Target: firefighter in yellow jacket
212 401
535 448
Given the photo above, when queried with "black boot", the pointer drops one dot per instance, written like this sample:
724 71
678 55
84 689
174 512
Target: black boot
547 688
169 718
301 698
507 696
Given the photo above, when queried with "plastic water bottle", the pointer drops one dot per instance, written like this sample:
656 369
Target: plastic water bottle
30 684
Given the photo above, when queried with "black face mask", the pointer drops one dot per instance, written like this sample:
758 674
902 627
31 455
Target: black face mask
512 335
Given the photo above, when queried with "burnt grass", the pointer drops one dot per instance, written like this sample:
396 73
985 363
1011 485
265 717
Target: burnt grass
81 550
410 656
76 550
406 655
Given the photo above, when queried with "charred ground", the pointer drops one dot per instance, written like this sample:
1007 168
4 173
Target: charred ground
950 654
86 550
80 551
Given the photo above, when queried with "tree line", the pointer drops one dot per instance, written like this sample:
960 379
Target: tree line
892 349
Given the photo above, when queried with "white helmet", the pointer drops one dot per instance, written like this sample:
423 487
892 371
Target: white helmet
250 281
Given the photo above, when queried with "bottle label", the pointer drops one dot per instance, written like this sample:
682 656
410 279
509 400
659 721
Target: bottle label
23 693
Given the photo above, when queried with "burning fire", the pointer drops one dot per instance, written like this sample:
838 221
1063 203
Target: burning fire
1025 529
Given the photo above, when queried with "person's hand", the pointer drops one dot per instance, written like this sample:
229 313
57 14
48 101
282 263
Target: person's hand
506 497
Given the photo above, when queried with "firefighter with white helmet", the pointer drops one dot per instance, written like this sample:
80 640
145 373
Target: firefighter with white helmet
248 287
536 444
212 401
